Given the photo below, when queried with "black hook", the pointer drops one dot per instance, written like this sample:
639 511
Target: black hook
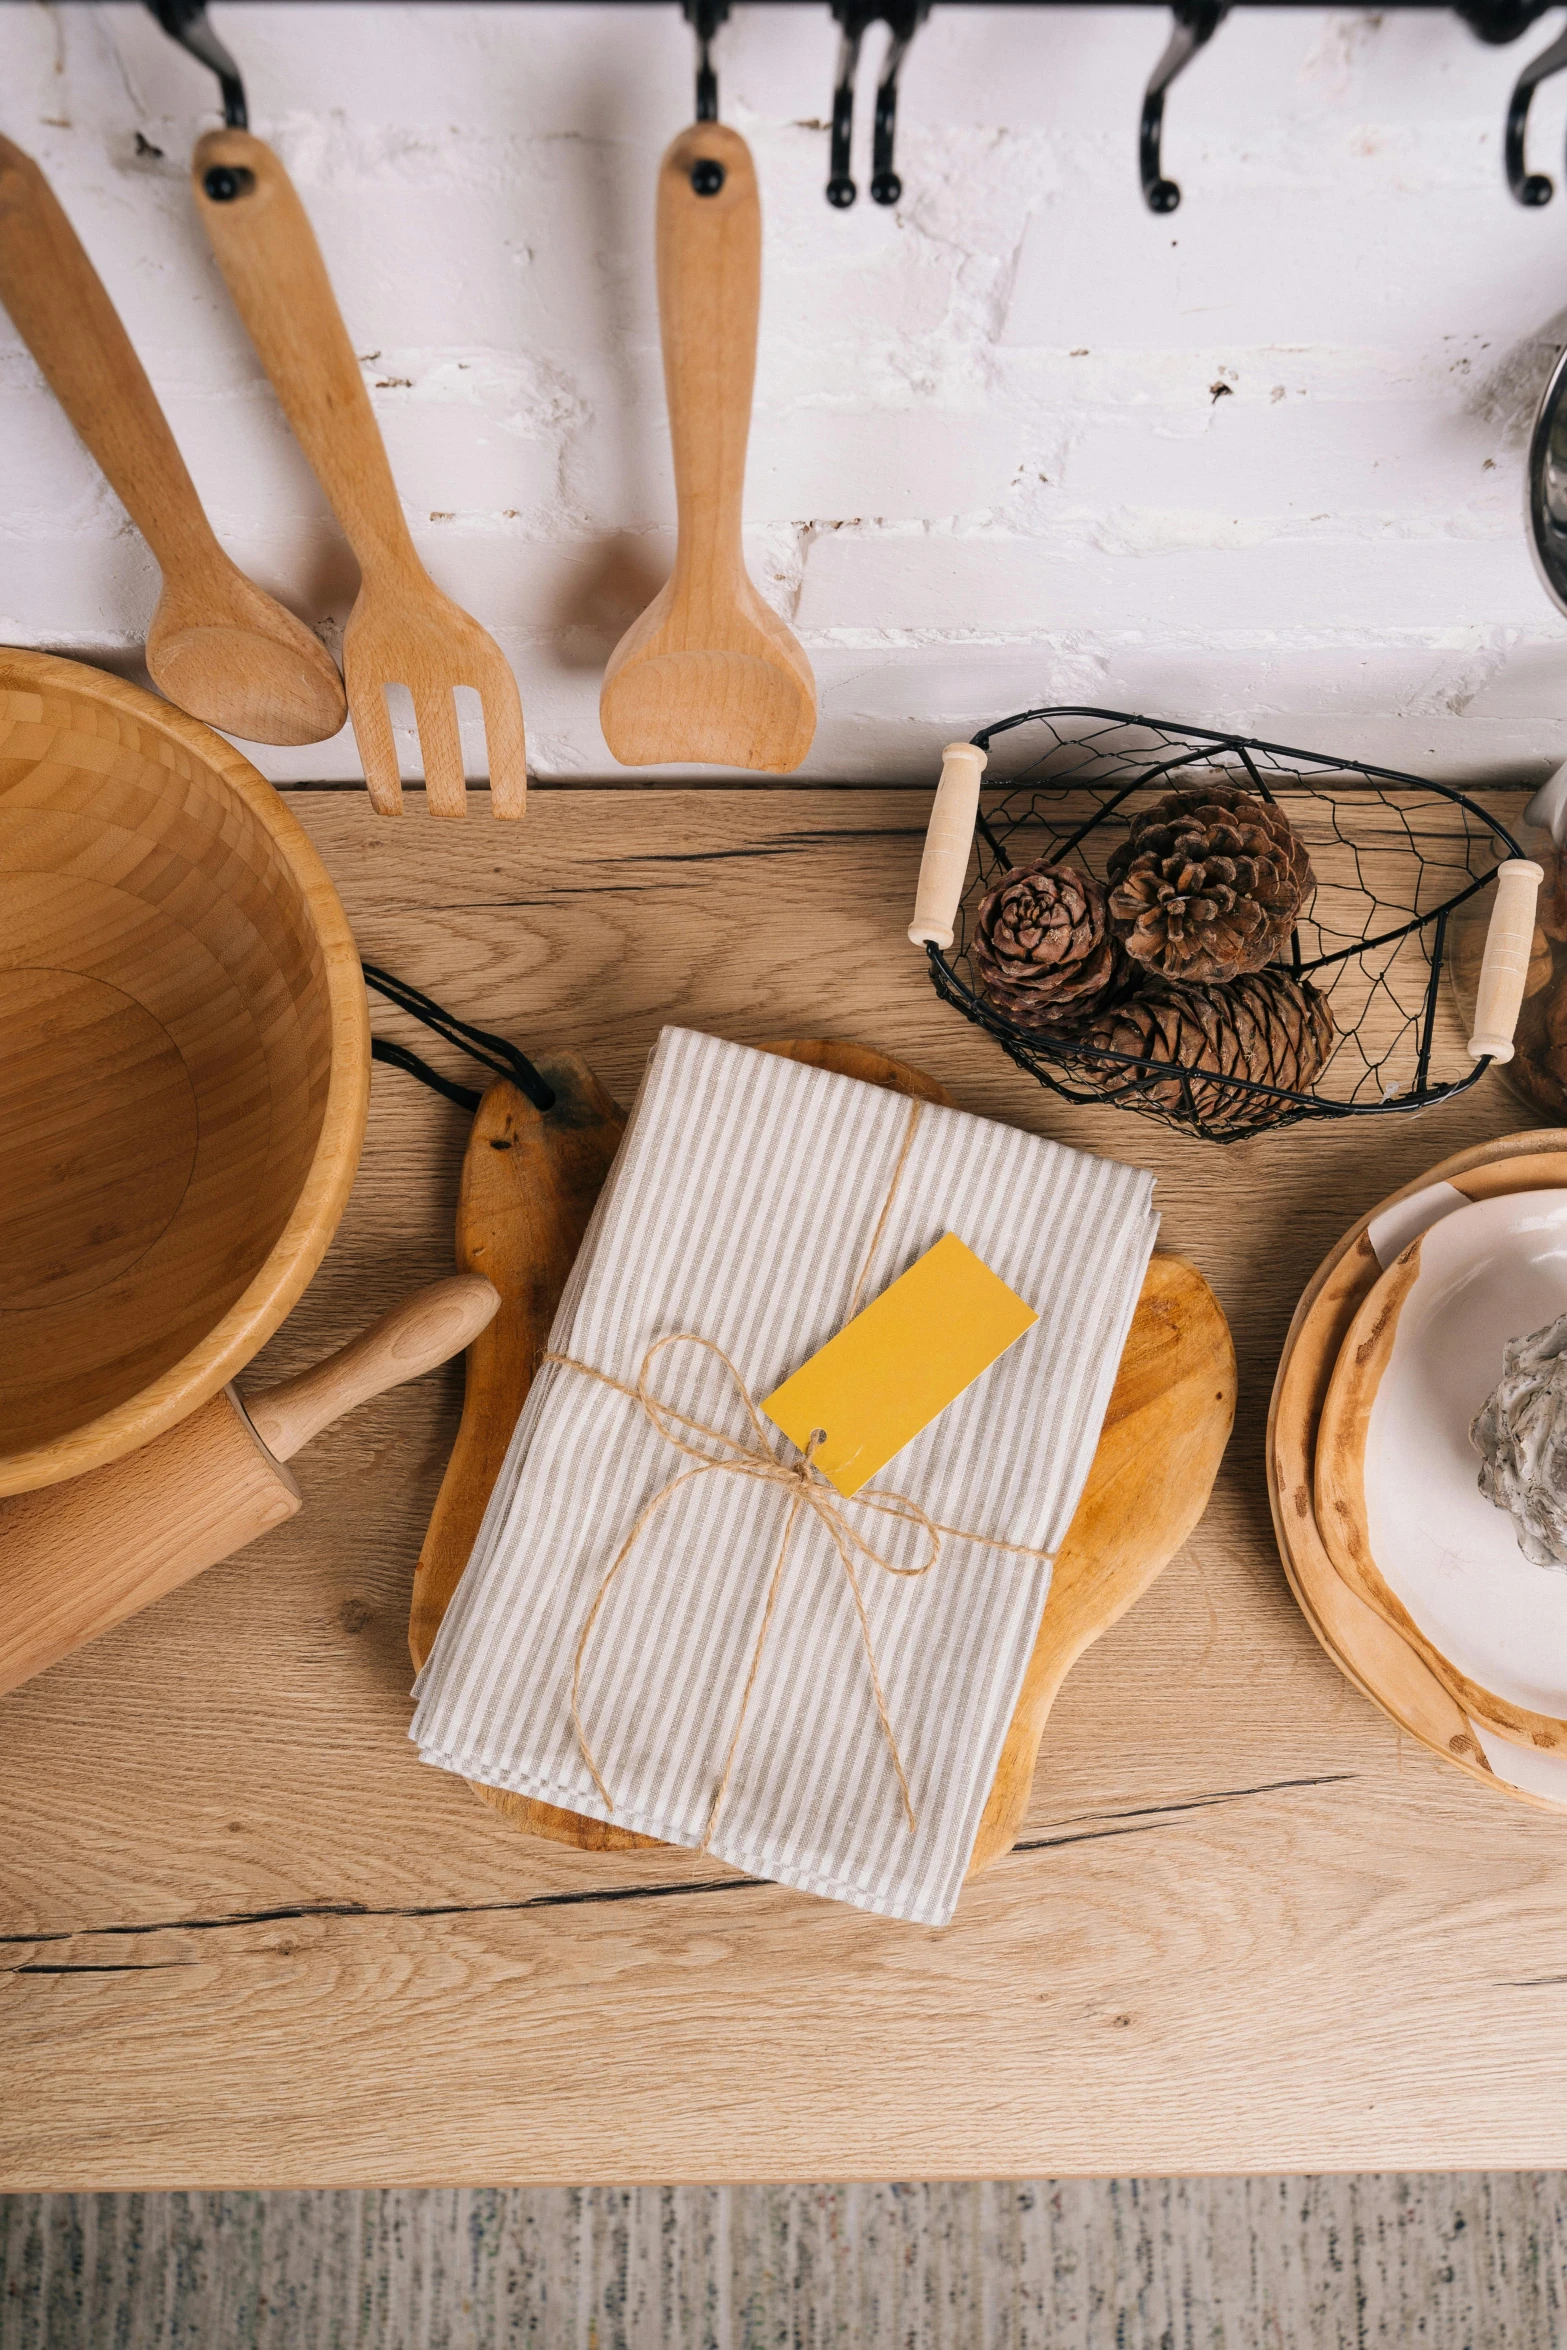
185 21
704 17
1196 22
903 19
1530 187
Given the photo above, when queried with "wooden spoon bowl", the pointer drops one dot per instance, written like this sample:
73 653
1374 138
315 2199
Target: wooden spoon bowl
257 672
184 1065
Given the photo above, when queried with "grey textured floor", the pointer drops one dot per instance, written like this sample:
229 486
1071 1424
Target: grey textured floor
1467 2262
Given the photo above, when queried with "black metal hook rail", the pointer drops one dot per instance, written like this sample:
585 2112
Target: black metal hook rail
1195 22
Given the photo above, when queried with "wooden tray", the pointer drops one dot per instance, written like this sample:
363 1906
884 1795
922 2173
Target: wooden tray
1368 1648
529 1183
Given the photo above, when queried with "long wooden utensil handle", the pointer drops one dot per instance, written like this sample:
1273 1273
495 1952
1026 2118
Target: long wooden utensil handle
709 300
272 266
60 309
424 1330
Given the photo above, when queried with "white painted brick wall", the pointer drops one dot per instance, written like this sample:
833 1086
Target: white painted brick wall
988 465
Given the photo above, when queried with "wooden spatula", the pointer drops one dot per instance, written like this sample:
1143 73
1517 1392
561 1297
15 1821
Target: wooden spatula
708 673
218 646
78 1557
402 630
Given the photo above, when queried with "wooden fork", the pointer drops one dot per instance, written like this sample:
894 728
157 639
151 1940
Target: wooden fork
402 629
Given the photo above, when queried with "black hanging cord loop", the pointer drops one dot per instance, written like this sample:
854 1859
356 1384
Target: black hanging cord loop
1196 22
480 1043
185 21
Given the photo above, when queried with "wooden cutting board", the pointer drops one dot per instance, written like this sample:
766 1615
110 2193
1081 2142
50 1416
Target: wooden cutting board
530 1179
1368 1649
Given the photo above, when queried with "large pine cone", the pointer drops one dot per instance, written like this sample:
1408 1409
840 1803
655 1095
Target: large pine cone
1043 948
1207 884
1268 1026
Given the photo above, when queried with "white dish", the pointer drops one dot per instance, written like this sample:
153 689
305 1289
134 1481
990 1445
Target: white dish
1487 1273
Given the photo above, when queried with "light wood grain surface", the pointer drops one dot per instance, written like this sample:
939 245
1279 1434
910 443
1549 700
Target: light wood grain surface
251 1940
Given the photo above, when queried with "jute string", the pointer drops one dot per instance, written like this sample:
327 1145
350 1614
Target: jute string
807 1490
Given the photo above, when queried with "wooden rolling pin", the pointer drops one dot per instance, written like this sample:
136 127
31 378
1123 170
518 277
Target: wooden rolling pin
78 1557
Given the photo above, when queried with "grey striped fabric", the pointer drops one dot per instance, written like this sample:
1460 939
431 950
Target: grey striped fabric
740 1206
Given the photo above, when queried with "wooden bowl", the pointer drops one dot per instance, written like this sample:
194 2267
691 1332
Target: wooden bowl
184 1066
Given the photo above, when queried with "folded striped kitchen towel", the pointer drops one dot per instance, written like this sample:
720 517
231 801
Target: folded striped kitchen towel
602 1650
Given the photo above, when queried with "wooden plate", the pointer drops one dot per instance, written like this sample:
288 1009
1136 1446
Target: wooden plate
529 1183
1367 1649
1397 1495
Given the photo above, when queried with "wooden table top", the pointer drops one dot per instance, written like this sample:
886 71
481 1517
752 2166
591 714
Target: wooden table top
247 1939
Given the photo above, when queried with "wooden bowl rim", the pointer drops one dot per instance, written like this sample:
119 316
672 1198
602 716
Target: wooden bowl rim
281 1278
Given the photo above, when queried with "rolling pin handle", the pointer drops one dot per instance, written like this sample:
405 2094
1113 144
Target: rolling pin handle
948 838
1509 941
426 1329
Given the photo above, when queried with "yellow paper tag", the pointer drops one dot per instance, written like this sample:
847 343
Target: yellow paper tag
896 1365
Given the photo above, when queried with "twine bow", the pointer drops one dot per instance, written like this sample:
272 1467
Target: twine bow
807 1491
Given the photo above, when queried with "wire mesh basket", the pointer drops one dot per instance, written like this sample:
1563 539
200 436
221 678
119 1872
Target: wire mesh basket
1394 858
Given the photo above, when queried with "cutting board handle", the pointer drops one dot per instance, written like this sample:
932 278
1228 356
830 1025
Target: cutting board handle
948 838
424 1330
266 248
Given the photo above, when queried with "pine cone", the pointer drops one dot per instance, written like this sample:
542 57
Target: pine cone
1268 1026
1207 884
1043 949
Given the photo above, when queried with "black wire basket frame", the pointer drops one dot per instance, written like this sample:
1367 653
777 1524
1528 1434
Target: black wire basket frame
1375 936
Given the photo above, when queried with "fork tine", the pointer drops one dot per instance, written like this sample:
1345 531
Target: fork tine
373 735
505 741
440 747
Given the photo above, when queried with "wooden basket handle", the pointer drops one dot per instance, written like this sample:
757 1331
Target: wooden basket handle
948 838
1509 941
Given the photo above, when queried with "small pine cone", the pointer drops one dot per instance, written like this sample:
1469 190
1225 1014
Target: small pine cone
1207 884
1043 948
1268 1026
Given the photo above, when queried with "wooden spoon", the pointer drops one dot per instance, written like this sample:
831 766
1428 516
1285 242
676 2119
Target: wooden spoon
218 646
709 673
402 629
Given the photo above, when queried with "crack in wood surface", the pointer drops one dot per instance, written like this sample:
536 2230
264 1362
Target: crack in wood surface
610 1893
